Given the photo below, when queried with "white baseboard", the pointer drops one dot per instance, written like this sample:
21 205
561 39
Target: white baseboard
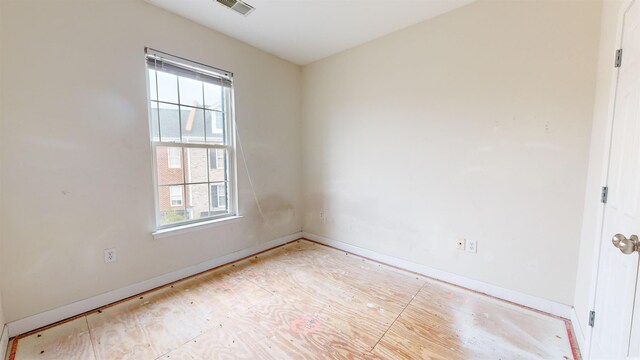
4 341
64 312
581 339
531 301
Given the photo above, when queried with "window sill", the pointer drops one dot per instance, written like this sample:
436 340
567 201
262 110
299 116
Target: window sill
163 233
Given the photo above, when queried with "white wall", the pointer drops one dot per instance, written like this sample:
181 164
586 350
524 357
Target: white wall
3 337
76 157
474 124
600 135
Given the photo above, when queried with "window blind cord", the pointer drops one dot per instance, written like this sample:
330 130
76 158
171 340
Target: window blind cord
246 168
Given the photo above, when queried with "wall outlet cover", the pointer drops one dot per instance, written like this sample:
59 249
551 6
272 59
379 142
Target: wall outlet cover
472 246
110 255
460 243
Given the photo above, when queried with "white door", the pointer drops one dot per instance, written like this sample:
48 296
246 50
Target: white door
618 272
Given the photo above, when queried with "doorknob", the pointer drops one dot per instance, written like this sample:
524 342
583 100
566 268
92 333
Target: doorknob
627 246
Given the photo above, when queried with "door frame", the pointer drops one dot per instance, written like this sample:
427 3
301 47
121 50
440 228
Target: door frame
604 173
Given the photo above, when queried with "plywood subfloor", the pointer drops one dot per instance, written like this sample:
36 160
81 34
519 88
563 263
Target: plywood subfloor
305 301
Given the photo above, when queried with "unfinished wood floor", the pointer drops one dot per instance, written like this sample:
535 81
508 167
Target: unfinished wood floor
305 301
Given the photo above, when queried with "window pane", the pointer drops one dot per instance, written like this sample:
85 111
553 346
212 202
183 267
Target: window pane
167 87
213 96
217 167
171 204
218 193
169 122
168 165
153 95
195 163
197 201
190 92
215 127
192 125
153 116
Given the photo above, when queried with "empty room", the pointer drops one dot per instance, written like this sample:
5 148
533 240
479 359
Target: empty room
319 179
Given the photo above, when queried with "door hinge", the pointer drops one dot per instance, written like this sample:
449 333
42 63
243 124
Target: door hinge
592 318
618 58
604 195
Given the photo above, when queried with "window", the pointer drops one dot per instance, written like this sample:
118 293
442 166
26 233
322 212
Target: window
216 159
173 158
175 195
217 125
213 159
191 123
218 196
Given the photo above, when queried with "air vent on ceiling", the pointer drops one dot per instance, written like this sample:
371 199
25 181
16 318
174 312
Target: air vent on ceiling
237 5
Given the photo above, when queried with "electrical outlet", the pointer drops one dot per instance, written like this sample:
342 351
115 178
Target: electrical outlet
110 255
472 246
460 243
323 217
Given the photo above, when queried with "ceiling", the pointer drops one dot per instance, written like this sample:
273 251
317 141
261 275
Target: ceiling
303 31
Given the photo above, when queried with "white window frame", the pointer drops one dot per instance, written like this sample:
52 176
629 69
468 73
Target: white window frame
229 140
